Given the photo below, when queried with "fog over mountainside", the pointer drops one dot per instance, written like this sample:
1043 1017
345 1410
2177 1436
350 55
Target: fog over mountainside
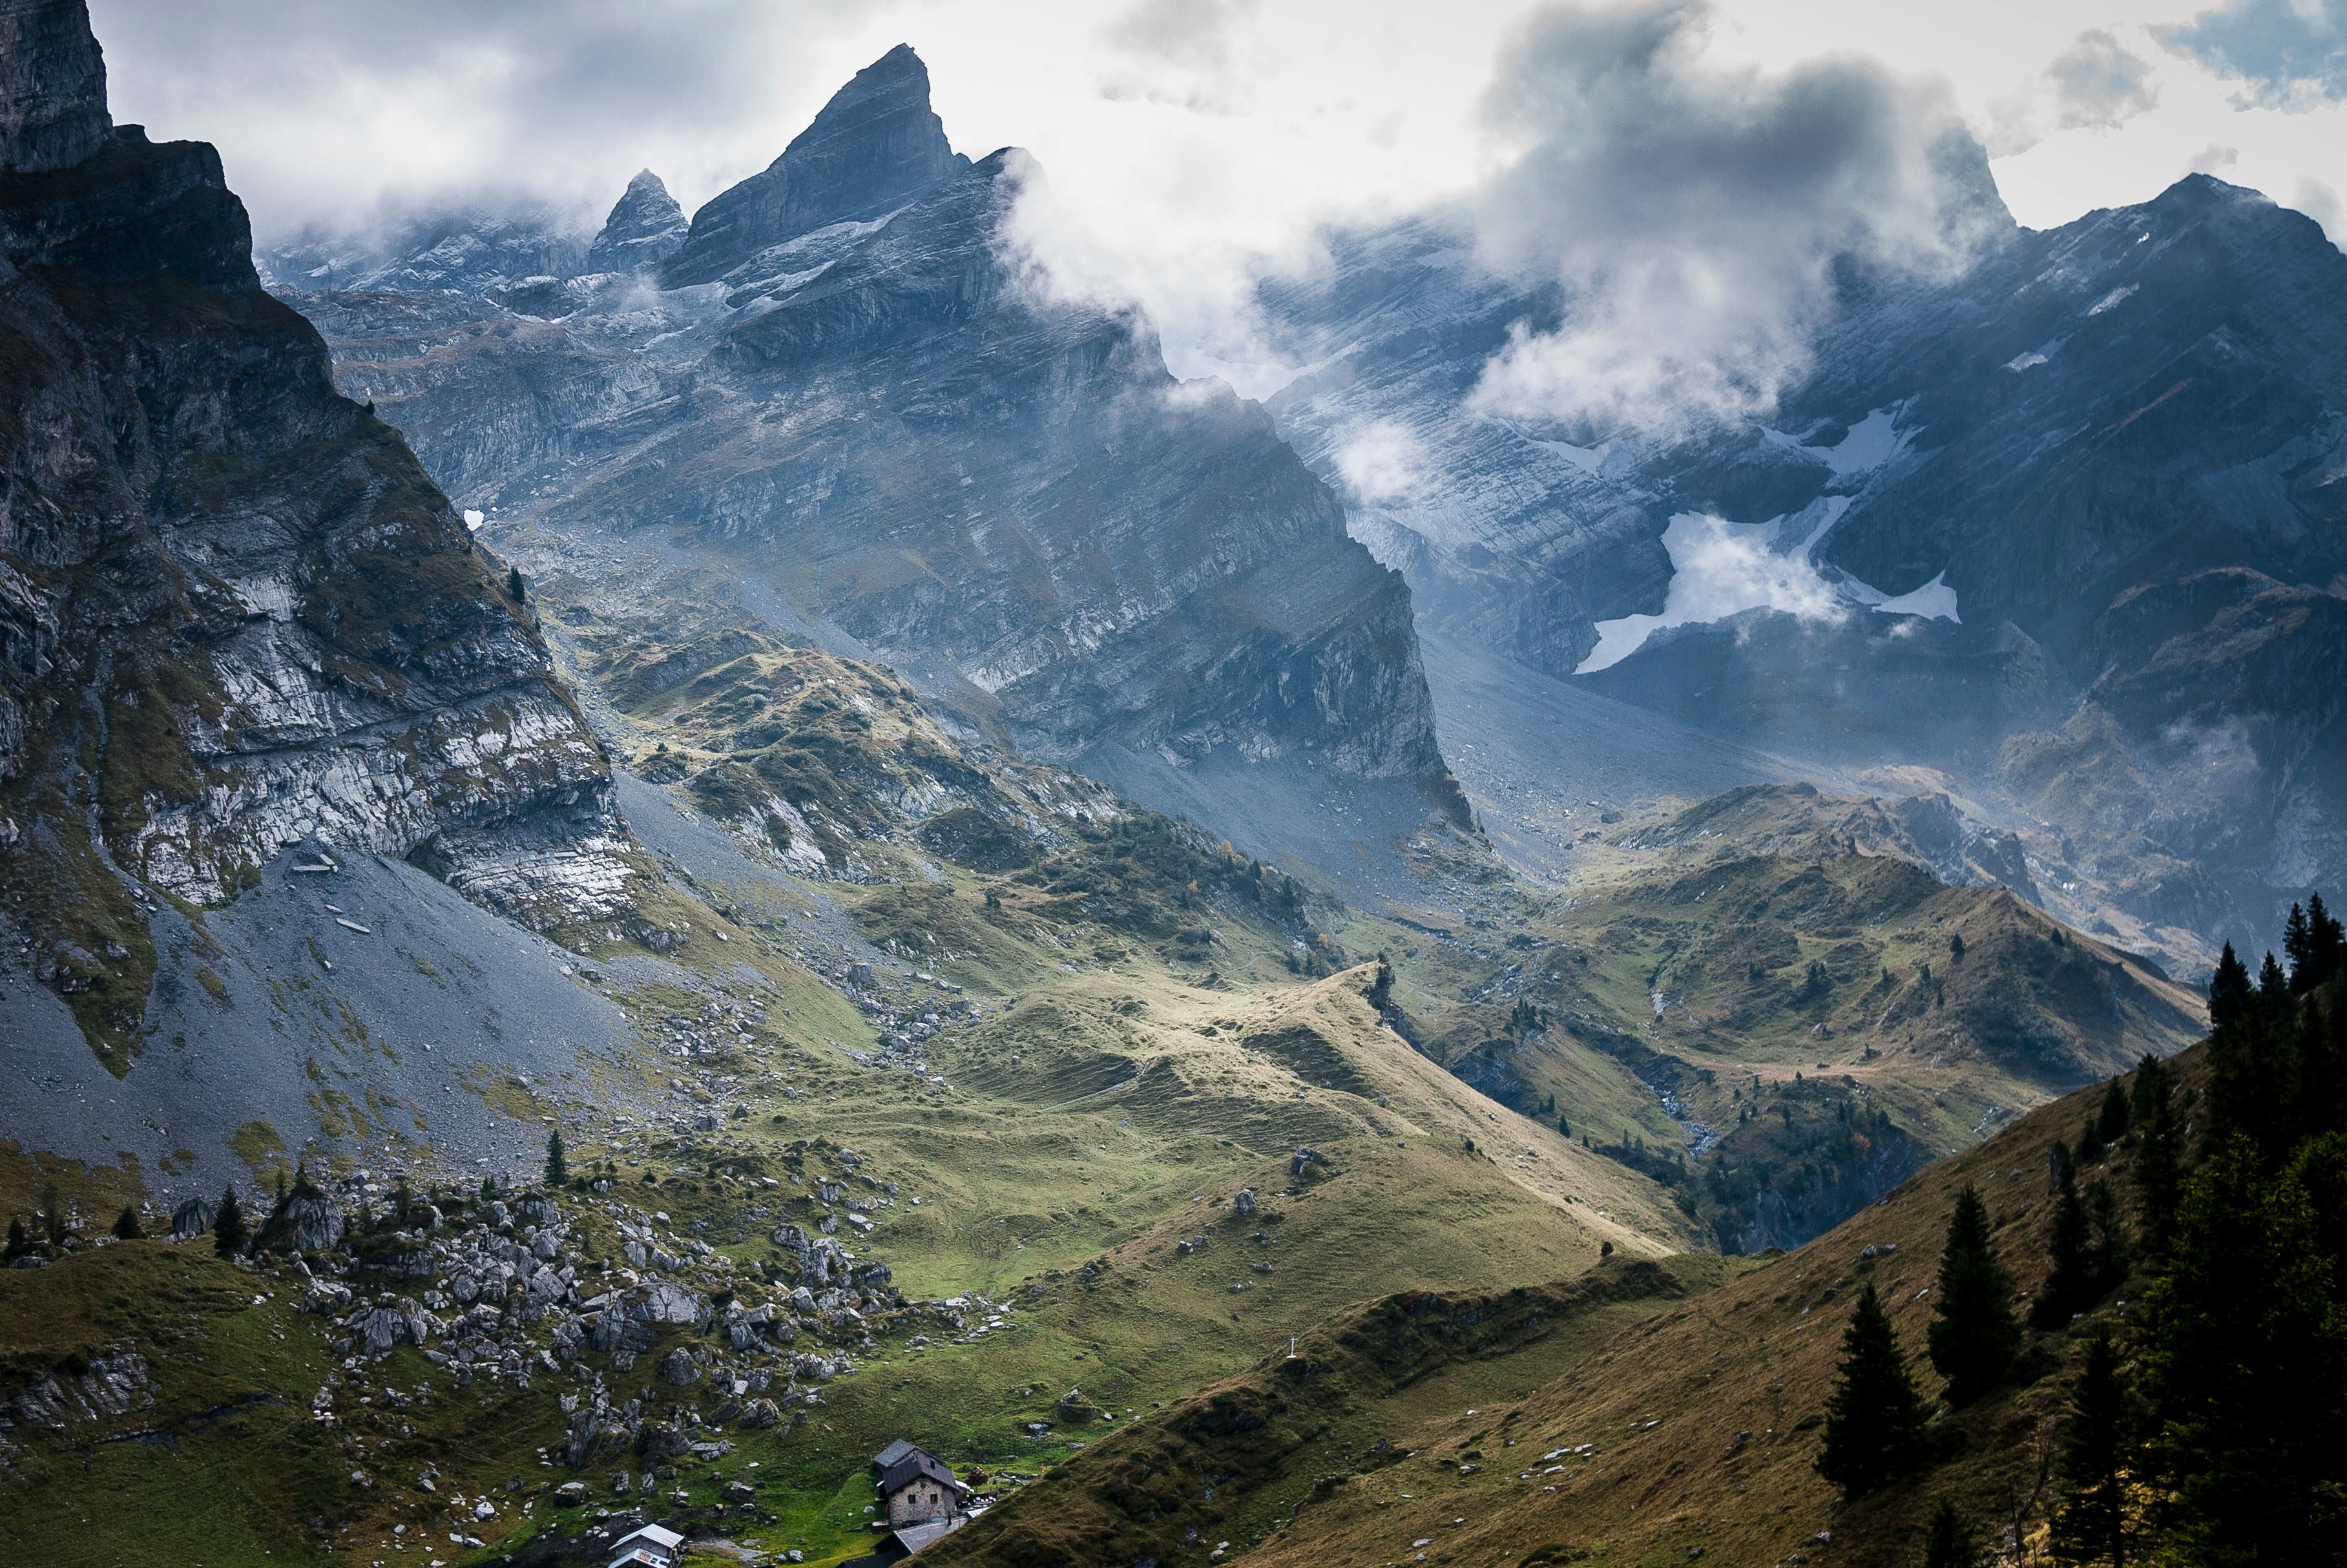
2063 530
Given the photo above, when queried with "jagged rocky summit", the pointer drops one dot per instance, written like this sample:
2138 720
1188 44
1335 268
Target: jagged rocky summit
235 614
850 391
644 228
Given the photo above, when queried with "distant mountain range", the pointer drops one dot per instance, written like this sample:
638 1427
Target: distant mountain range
2066 526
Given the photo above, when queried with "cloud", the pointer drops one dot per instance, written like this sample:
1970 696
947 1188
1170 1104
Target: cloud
2289 54
1693 209
1382 464
326 111
2101 84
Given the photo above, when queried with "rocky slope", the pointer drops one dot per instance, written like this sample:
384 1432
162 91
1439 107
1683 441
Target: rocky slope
845 389
237 616
2072 512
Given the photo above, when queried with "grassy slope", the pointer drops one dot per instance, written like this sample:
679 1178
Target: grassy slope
1662 1403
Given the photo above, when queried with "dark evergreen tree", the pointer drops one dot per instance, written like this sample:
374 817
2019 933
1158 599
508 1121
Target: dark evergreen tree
2298 949
2273 987
2070 1250
52 1215
2246 1363
2090 1526
2158 1181
126 1223
2090 1142
2230 994
2113 1121
2149 1096
2326 942
1950 1541
1973 1333
1874 1421
513 587
228 1224
2109 1253
558 1172
19 1244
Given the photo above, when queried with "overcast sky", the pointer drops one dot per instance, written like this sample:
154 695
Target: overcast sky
1188 142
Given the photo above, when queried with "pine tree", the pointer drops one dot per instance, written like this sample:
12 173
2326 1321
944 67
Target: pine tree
2326 941
126 1223
1874 1421
228 1224
2273 987
2113 1121
52 1215
2298 947
557 1172
2070 1282
2090 1142
514 588
2159 1180
2109 1255
2228 991
1973 1333
19 1244
1950 1541
2091 1524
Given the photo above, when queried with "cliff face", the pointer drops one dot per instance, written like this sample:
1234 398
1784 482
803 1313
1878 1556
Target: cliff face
857 403
235 614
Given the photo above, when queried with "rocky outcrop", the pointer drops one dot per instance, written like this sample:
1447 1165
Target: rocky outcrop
235 612
645 228
52 86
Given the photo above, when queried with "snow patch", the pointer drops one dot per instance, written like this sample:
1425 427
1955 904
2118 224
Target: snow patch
2112 300
1864 447
1936 601
1588 460
1720 569
1717 569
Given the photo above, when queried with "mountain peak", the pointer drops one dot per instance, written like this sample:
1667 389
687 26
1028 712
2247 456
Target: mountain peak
874 146
645 228
52 85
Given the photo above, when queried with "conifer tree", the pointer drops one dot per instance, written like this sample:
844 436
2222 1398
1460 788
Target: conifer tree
2228 991
1973 1333
2273 987
2108 1252
19 1244
2158 1178
228 1224
2091 1524
556 1171
2116 1116
1950 1541
515 589
2326 942
126 1223
2297 949
2069 1284
2149 1096
1874 1421
53 1214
